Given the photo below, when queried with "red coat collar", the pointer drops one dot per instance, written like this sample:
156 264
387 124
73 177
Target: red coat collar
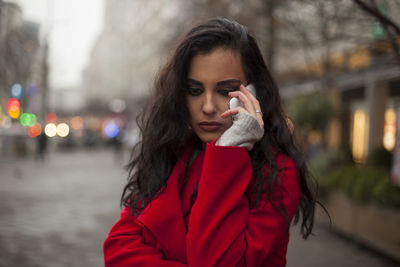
168 225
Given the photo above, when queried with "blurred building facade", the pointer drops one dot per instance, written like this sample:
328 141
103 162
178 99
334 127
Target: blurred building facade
129 50
23 76
362 80
68 101
367 94
347 57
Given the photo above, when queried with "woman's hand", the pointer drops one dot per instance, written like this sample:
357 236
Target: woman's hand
251 105
248 125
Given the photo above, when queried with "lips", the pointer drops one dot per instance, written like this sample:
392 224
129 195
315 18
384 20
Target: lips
210 126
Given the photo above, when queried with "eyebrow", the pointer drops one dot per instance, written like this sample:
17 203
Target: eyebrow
218 83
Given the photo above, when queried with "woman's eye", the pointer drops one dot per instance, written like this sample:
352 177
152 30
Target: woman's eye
226 91
194 91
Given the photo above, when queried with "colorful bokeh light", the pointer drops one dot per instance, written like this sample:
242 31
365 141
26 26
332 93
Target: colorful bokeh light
13 106
13 114
77 123
32 90
17 91
111 130
51 118
35 130
50 129
27 119
62 129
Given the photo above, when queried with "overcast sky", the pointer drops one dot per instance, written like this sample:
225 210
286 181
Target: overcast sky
73 26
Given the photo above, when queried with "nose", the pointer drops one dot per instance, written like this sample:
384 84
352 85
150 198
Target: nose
209 106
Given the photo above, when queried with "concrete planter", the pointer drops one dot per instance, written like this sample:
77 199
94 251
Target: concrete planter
374 226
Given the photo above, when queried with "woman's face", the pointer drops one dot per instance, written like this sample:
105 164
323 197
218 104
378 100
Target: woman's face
211 77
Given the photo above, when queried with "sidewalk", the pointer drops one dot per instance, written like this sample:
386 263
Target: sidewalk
327 249
58 213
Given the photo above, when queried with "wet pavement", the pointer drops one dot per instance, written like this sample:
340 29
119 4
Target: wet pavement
327 249
57 213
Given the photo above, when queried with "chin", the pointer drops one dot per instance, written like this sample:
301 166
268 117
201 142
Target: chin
208 137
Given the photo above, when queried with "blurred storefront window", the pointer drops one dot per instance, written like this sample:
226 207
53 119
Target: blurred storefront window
359 134
389 130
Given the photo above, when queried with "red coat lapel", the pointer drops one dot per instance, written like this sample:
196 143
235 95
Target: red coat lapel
164 216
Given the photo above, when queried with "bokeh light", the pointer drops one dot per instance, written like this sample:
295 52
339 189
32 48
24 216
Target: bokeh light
13 114
94 124
315 137
2 119
360 135
51 118
35 130
5 122
62 129
111 130
50 129
32 90
13 104
17 91
117 105
76 123
389 129
27 119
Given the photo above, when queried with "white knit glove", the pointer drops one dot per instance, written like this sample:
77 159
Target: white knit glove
244 132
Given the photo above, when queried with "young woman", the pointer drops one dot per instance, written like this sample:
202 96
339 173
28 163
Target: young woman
209 185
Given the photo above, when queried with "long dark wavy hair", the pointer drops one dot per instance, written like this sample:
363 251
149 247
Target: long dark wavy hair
164 123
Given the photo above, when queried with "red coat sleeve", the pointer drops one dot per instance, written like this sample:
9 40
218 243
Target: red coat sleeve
126 246
222 229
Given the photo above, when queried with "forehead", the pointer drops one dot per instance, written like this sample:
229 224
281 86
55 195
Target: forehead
219 64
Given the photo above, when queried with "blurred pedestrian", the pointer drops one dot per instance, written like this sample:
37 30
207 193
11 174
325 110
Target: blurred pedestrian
41 146
209 185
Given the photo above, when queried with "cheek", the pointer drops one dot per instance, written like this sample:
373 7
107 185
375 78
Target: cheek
228 123
223 104
191 107
222 107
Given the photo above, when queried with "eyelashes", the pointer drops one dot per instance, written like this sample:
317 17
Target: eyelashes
195 91
227 90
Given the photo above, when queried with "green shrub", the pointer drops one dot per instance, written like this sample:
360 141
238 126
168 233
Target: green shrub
364 184
326 161
311 111
386 194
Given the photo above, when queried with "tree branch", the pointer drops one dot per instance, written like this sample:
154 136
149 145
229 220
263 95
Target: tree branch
374 12
387 24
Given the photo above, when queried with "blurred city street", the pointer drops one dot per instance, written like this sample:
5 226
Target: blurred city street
73 80
58 212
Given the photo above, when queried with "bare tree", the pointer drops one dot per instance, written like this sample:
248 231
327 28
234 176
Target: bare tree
260 16
392 29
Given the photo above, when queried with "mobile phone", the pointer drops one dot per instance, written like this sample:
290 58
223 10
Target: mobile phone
235 102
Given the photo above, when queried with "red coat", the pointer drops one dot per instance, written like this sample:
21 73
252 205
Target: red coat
220 229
